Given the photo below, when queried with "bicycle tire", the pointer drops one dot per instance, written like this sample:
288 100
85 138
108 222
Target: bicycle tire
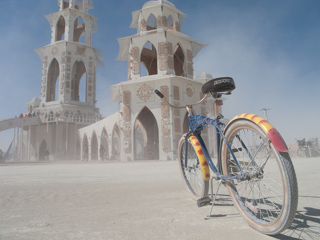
301 152
268 199
192 173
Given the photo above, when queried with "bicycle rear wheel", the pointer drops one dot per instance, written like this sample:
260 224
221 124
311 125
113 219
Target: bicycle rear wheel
191 172
301 152
268 197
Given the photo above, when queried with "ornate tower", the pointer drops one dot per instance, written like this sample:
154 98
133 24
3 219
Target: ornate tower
68 92
159 57
159 46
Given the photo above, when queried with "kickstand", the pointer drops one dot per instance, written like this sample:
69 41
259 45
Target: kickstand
215 196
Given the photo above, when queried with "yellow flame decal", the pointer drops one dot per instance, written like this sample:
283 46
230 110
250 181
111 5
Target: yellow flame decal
204 165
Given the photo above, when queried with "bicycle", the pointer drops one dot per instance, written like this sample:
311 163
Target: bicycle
262 184
304 148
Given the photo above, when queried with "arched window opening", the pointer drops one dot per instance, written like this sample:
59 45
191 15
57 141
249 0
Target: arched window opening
170 23
143 70
83 88
151 23
179 61
77 152
104 147
61 28
146 136
85 148
65 4
43 151
79 6
116 142
148 46
57 89
94 147
53 76
149 58
140 141
79 30
78 75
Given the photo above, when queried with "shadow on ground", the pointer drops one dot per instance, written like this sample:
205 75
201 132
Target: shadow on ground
306 224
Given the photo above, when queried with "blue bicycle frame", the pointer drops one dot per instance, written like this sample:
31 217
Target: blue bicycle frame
197 124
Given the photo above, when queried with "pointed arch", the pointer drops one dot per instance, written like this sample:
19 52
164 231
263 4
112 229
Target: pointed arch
179 60
151 22
61 28
146 136
104 146
116 143
140 140
43 151
78 149
53 76
79 30
85 148
65 4
78 71
149 58
94 146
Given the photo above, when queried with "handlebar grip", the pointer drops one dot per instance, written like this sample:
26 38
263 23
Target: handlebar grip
158 93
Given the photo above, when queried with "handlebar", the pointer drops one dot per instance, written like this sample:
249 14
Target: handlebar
159 93
189 106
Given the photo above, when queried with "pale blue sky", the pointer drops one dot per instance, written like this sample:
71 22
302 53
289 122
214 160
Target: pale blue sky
270 47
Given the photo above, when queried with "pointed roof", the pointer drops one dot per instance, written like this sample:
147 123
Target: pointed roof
79 2
34 100
155 3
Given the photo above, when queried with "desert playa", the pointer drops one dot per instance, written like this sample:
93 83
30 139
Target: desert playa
131 200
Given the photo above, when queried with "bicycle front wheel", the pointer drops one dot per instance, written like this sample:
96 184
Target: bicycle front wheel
190 169
267 197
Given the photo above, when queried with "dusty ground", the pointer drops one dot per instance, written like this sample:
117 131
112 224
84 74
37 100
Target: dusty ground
133 200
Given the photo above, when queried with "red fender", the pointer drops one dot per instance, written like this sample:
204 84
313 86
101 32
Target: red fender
272 133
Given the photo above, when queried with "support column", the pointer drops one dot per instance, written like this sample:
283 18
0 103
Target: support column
89 151
57 137
28 144
21 144
14 141
67 133
75 144
18 144
72 3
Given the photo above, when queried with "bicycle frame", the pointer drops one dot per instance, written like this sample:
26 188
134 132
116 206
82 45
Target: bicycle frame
197 133
219 135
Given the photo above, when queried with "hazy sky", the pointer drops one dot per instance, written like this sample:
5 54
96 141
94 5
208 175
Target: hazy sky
270 47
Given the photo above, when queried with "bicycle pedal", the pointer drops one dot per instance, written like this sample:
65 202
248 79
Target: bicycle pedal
203 202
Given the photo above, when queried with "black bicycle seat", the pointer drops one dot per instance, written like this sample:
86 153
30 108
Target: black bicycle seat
218 85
